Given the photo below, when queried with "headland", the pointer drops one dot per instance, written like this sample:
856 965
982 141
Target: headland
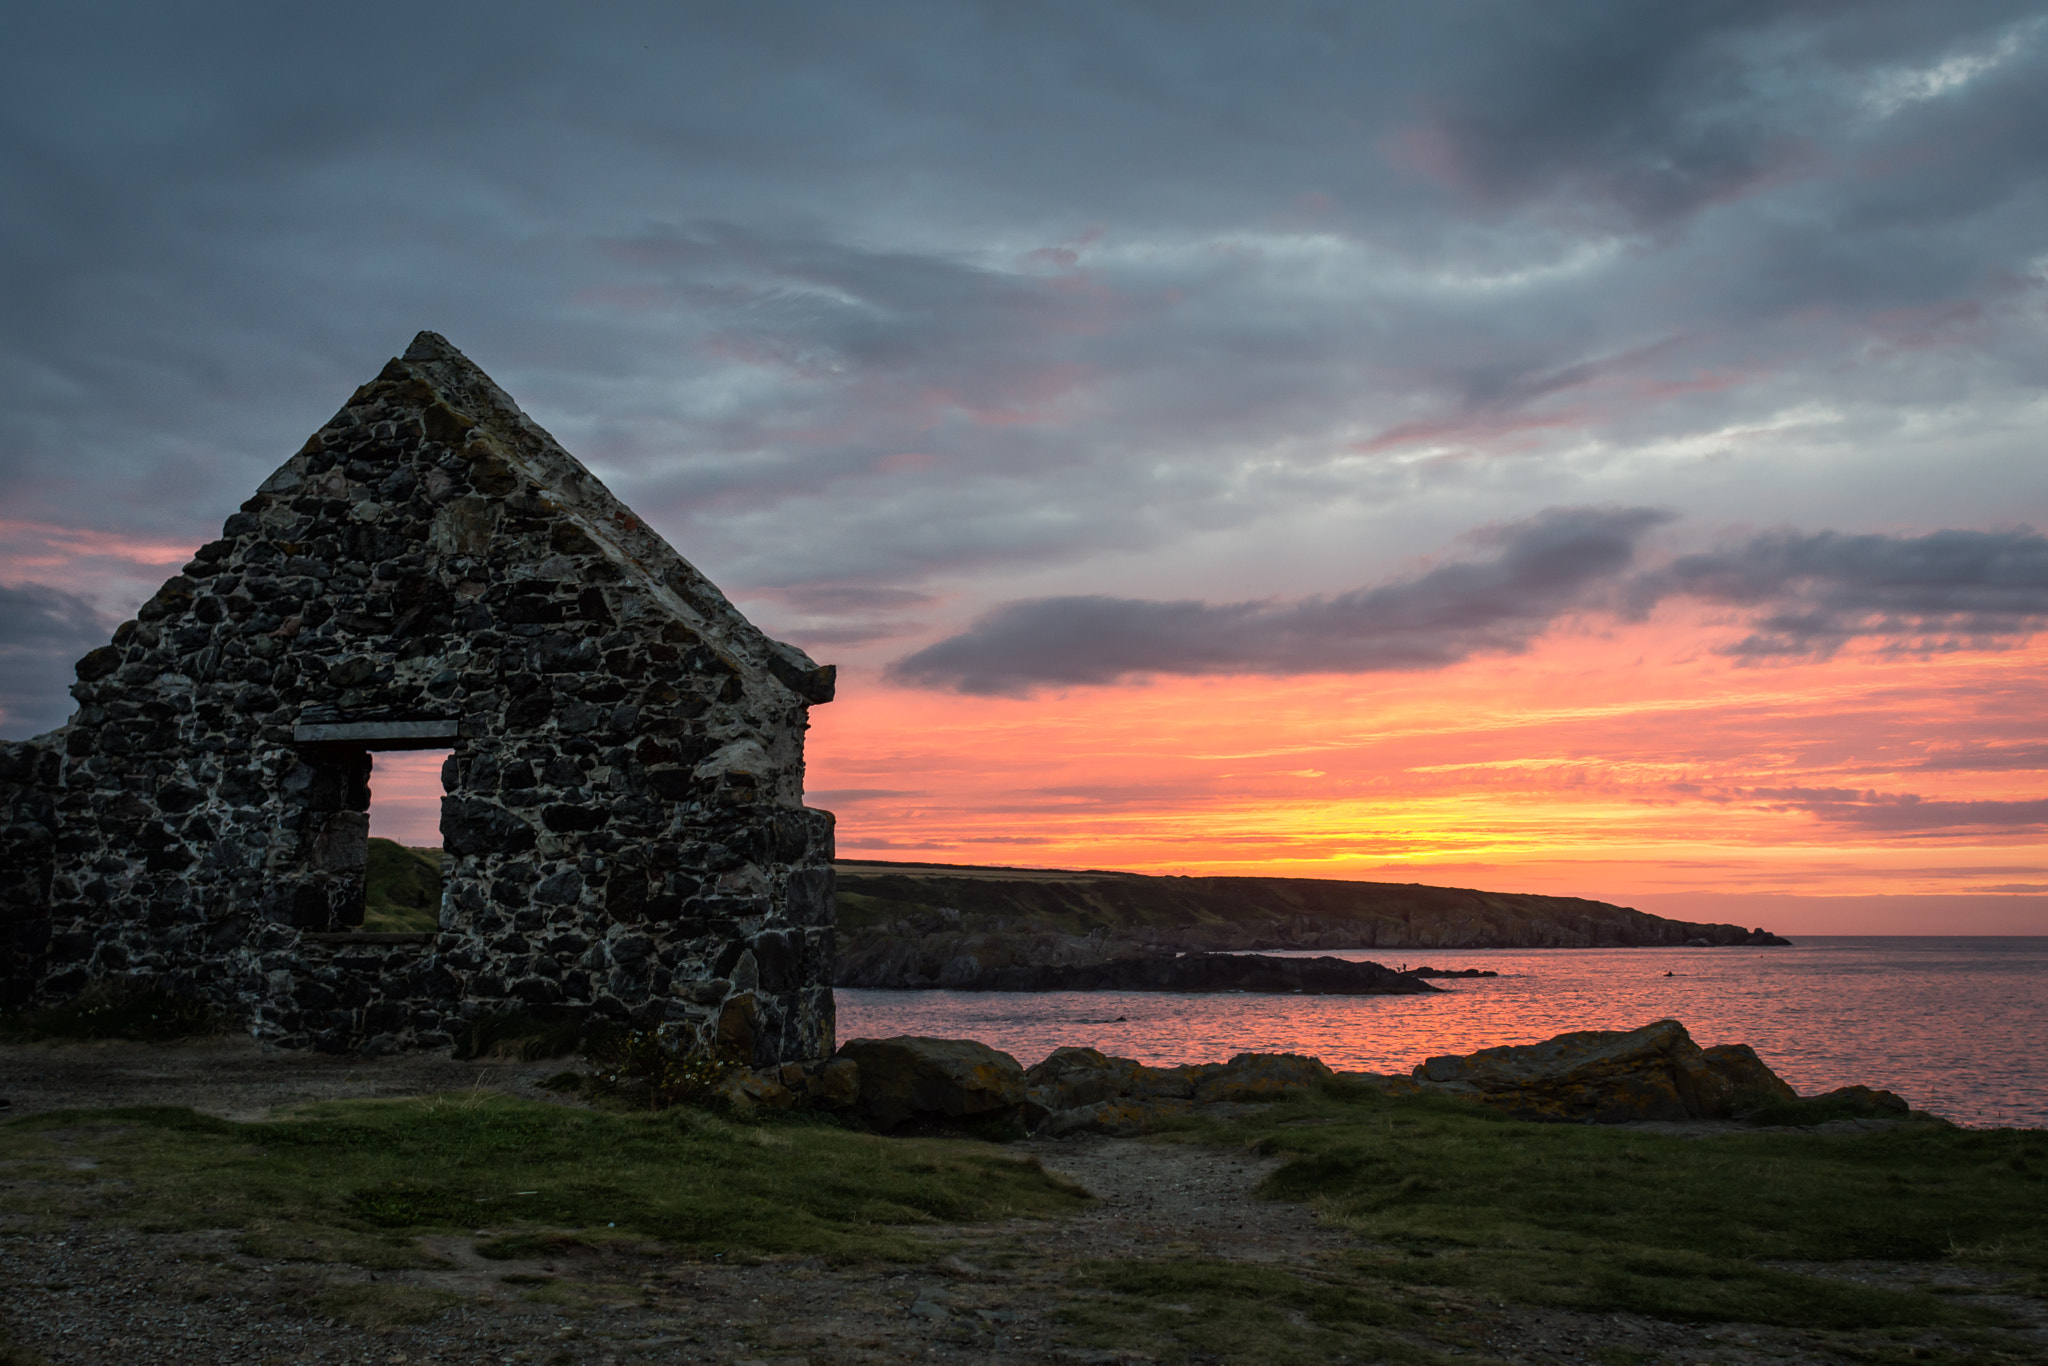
1029 929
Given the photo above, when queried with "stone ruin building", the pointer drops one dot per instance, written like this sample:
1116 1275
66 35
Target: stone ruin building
624 830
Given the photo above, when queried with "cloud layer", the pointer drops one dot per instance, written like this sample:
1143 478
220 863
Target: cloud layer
1810 595
1560 562
43 631
1949 590
940 295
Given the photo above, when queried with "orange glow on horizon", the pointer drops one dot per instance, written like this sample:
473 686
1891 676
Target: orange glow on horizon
1603 764
1629 765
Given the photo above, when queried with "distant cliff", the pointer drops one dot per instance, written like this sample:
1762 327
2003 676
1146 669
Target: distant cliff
924 924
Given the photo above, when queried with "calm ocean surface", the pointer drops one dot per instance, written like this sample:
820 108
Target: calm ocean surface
1956 1026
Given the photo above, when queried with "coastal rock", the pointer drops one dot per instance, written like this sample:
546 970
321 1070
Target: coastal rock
1609 1077
1751 1084
745 1091
1083 1090
833 1084
1257 1077
1075 1077
1864 1100
908 1080
1116 1116
828 1084
1200 972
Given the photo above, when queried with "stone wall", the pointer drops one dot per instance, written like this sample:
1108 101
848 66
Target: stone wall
29 774
624 825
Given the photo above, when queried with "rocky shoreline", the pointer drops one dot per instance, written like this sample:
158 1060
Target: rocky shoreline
1652 1074
1205 972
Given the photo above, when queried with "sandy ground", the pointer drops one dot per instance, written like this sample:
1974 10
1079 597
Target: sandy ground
100 1293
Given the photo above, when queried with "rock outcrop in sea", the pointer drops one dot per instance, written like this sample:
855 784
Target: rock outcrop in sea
1200 972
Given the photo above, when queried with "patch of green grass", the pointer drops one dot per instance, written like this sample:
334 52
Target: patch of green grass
401 888
358 1180
107 1010
1608 1220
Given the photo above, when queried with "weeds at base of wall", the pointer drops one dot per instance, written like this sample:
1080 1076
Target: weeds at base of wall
650 1069
515 1034
634 1069
108 1010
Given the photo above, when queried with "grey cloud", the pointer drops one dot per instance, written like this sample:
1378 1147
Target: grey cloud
1816 592
1551 565
1124 274
1663 113
43 631
1943 591
829 597
1654 111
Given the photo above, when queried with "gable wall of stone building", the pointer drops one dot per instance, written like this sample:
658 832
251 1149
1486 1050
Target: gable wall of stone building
28 851
624 827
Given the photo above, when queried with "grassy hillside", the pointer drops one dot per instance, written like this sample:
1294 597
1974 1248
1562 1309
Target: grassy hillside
402 888
905 924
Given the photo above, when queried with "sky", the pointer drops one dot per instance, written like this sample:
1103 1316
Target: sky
1586 448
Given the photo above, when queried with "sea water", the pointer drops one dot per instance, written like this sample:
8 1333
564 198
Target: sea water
1958 1026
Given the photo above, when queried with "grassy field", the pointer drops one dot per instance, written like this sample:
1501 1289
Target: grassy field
1452 1214
1451 1207
357 1181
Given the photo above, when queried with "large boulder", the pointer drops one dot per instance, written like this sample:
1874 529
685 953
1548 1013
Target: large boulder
1859 1102
1610 1077
1074 1077
1083 1090
1751 1084
914 1081
1256 1077
1113 1116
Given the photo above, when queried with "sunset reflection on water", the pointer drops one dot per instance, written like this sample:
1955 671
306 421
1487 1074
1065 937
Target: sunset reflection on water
1958 1026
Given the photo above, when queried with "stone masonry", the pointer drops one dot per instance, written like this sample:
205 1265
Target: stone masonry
624 824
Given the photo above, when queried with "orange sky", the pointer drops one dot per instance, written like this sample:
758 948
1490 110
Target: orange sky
1631 765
